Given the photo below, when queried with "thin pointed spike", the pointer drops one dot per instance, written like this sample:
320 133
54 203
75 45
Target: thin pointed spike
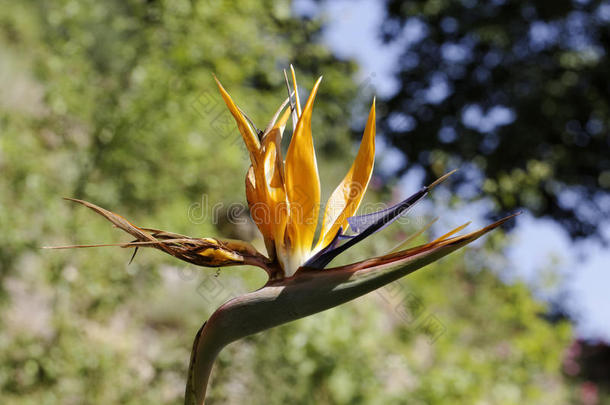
403 245
441 179
276 115
133 256
290 92
258 131
87 246
124 245
295 116
452 232
296 91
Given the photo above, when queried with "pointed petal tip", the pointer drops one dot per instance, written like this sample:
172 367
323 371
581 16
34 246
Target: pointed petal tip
441 179
296 90
314 90
86 246
222 89
500 221
511 216
76 200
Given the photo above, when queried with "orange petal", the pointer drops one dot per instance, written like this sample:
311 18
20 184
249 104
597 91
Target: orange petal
250 138
344 201
265 187
302 181
258 209
275 194
274 135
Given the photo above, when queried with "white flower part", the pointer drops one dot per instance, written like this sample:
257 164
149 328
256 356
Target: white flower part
291 260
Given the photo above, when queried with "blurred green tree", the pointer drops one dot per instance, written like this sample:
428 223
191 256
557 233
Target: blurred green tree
517 89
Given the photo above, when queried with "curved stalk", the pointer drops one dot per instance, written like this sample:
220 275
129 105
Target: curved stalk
306 293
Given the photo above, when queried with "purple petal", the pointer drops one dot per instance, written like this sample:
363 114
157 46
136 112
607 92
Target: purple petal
365 226
361 223
332 245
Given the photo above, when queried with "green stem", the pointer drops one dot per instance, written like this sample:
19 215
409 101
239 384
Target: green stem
205 351
306 293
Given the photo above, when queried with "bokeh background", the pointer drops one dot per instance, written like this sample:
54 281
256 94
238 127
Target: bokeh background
114 102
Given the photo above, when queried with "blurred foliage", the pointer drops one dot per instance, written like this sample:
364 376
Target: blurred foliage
518 89
114 102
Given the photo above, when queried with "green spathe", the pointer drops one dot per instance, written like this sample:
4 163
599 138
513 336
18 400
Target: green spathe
306 293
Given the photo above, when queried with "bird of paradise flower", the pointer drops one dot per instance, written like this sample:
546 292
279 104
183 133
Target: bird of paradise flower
283 196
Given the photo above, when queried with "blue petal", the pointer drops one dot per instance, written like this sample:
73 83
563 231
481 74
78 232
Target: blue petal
332 245
364 226
361 223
